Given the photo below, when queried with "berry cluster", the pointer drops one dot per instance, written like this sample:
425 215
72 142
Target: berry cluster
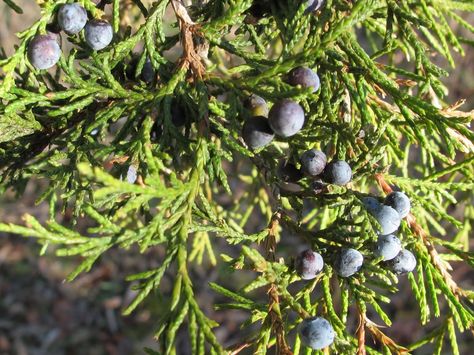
285 118
389 214
317 332
314 332
44 50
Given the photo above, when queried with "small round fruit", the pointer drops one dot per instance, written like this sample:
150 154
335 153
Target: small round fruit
316 333
98 34
388 218
256 132
309 264
148 72
337 172
43 51
313 5
286 118
348 262
371 204
257 105
388 247
288 172
305 77
313 162
399 202
403 263
72 18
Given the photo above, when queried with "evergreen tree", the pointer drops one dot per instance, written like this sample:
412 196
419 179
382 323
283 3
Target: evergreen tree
151 149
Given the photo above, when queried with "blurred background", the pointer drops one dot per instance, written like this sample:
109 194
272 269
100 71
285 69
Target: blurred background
41 314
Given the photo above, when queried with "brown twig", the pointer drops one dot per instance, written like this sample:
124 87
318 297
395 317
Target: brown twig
361 333
239 348
384 339
190 59
274 298
270 241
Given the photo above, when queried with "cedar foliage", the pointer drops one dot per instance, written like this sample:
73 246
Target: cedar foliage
380 107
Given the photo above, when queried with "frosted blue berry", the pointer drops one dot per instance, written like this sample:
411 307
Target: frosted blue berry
98 34
316 333
387 247
288 172
309 264
399 202
313 162
313 5
257 105
403 263
44 51
371 204
348 262
388 218
337 172
305 77
72 18
256 132
286 118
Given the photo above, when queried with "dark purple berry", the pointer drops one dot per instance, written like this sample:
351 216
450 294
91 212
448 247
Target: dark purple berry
256 132
403 263
337 172
44 51
388 218
257 105
286 118
309 264
98 34
313 162
371 204
399 202
348 262
316 333
72 18
305 77
148 72
387 247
